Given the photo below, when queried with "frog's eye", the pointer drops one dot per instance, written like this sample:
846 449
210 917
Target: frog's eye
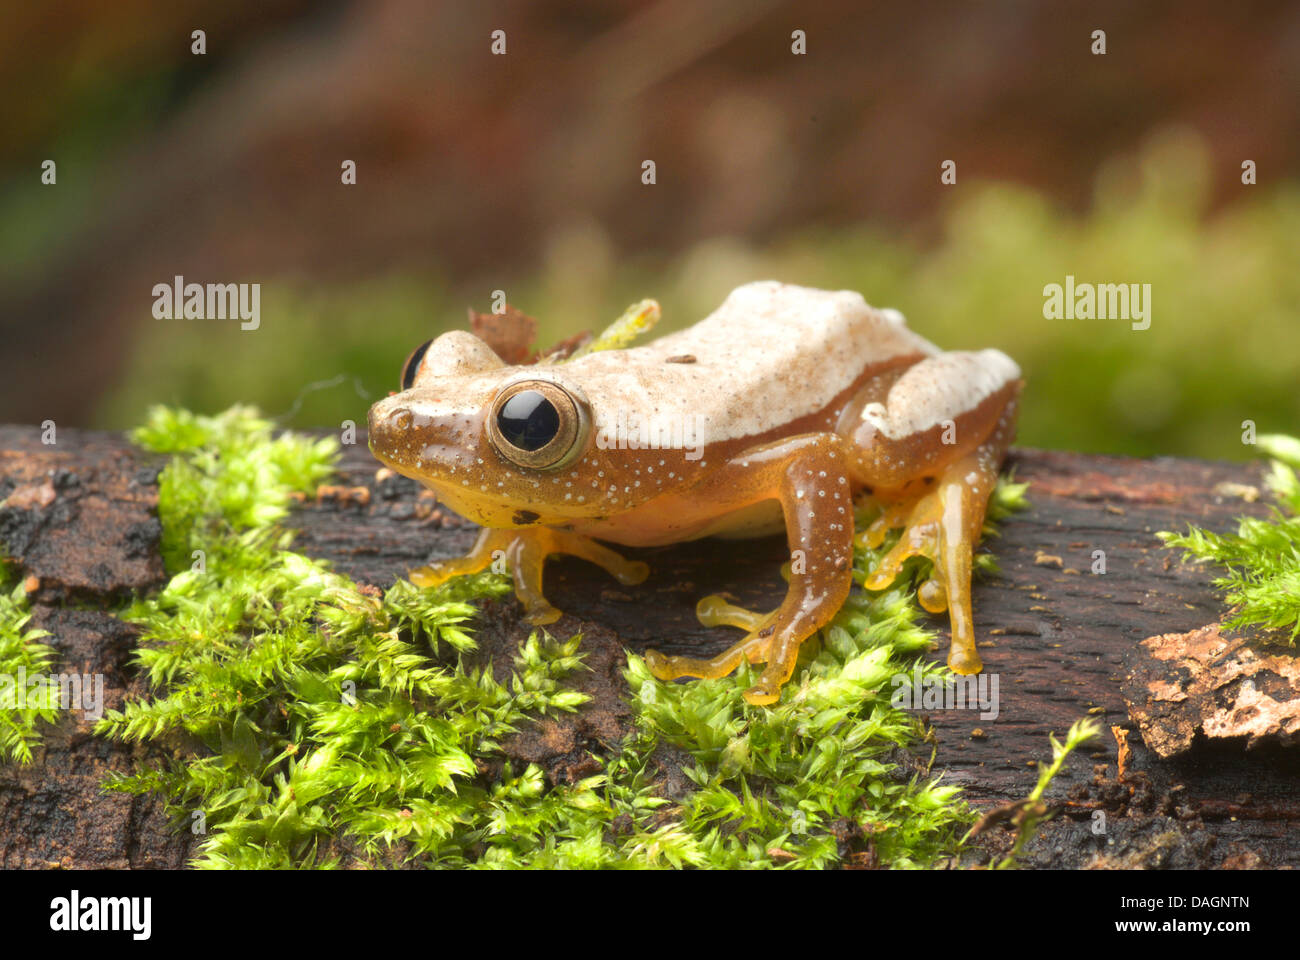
538 424
412 364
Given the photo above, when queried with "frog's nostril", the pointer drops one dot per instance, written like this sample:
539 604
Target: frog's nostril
400 419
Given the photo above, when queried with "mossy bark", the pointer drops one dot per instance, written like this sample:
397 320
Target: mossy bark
1060 637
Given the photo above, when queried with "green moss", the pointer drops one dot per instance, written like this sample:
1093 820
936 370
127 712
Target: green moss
314 722
636 321
1262 582
1029 813
232 476
23 709
788 777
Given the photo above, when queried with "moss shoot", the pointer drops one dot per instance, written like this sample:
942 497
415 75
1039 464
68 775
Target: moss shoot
1262 559
24 708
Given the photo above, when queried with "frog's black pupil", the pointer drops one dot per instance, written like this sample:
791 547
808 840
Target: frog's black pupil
412 364
528 420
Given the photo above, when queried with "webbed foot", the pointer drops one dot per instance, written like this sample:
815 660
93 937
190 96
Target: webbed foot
524 553
715 611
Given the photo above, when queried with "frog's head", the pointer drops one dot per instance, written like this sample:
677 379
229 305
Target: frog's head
489 439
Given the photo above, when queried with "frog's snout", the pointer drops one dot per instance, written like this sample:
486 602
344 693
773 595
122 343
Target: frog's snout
387 423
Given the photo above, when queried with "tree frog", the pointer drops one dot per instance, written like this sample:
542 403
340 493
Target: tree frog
770 414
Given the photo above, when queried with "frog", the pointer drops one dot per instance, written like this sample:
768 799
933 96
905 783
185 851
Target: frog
778 412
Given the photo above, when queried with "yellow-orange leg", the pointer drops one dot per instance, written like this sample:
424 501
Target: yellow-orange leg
944 526
525 553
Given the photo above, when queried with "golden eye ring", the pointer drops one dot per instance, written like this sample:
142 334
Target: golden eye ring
538 424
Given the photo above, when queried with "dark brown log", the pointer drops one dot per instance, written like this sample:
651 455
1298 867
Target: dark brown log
81 517
1060 638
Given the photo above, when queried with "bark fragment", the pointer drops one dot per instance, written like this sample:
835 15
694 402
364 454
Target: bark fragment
1219 686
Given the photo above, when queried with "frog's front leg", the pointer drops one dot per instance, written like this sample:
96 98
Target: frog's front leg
525 552
809 476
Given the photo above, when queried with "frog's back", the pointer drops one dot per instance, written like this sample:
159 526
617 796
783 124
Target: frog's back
769 355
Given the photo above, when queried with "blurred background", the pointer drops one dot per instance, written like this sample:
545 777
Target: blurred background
522 173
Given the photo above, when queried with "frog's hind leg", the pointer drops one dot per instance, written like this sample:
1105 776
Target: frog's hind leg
525 553
930 452
943 525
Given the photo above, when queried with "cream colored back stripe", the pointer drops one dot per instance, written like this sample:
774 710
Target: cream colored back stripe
940 388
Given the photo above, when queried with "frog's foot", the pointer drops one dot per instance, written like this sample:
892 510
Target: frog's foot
943 526
490 546
715 611
525 553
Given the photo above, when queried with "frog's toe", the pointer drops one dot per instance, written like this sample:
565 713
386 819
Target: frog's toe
763 694
921 537
432 575
964 659
489 545
781 656
660 664
933 596
625 571
893 515
630 572
716 611
423 577
541 614
528 591
670 667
